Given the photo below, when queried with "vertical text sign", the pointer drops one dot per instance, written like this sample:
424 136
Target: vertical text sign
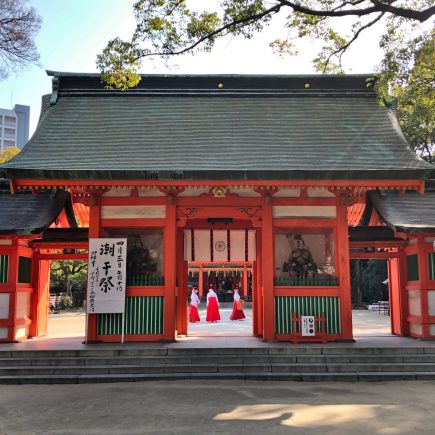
106 275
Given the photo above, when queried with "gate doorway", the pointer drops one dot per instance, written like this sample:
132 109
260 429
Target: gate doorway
226 279
66 318
370 297
221 253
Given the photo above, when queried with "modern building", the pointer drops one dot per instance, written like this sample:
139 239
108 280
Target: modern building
14 127
263 174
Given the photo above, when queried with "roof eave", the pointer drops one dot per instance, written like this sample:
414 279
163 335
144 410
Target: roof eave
218 175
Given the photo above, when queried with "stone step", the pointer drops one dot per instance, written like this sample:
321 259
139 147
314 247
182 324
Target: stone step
213 368
269 376
217 359
295 351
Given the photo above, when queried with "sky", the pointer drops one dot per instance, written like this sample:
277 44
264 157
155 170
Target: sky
73 32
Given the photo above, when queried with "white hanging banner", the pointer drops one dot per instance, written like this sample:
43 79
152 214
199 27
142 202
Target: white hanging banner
237 245
188 245
252 248
220 245
201 240
106 275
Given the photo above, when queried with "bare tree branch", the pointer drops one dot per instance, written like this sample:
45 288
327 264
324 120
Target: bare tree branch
19 25
344 47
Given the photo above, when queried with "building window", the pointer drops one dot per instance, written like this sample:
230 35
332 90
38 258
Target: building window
412 263
10 121
4 262
24 270
431 265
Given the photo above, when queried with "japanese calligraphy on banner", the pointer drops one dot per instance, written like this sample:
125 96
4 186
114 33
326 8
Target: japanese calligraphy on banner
106 275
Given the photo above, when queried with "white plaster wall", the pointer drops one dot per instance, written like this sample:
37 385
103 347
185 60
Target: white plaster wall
4 305
414 302
319 192
117 192
292 193
22 332
431 302
416 329
289 211
150 192
194 191
3 332
244 191
133 212
23 305
432 330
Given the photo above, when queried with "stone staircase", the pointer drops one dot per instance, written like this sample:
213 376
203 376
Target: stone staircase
295 363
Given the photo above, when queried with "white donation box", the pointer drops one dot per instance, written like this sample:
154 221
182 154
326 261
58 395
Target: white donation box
308 326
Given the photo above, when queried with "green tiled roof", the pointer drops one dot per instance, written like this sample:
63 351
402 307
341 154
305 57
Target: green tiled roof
187 127
411 212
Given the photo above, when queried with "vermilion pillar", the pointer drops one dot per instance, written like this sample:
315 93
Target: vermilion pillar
201 282
182 296
245 281
8 289
397 292
170 268
344 273
424 288
40 297
267 268
257 289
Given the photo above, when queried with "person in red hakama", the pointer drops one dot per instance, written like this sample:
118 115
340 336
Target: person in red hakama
212 307
193 312
237 313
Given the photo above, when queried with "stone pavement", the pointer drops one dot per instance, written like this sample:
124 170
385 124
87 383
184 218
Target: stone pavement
220 407
67 332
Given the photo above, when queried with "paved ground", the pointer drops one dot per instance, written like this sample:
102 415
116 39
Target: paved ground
365 323
67 332
225 407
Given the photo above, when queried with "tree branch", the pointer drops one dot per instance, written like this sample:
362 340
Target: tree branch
273 10
378 7
344 47
404 12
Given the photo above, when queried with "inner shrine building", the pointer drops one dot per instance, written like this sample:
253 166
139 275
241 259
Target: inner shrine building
267 175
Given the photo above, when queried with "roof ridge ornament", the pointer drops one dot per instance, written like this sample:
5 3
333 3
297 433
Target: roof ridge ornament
55 86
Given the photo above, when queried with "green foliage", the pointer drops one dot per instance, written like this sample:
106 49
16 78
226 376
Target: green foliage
8 153
119 63
373 277
173 27
68 273
367 277
408 76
